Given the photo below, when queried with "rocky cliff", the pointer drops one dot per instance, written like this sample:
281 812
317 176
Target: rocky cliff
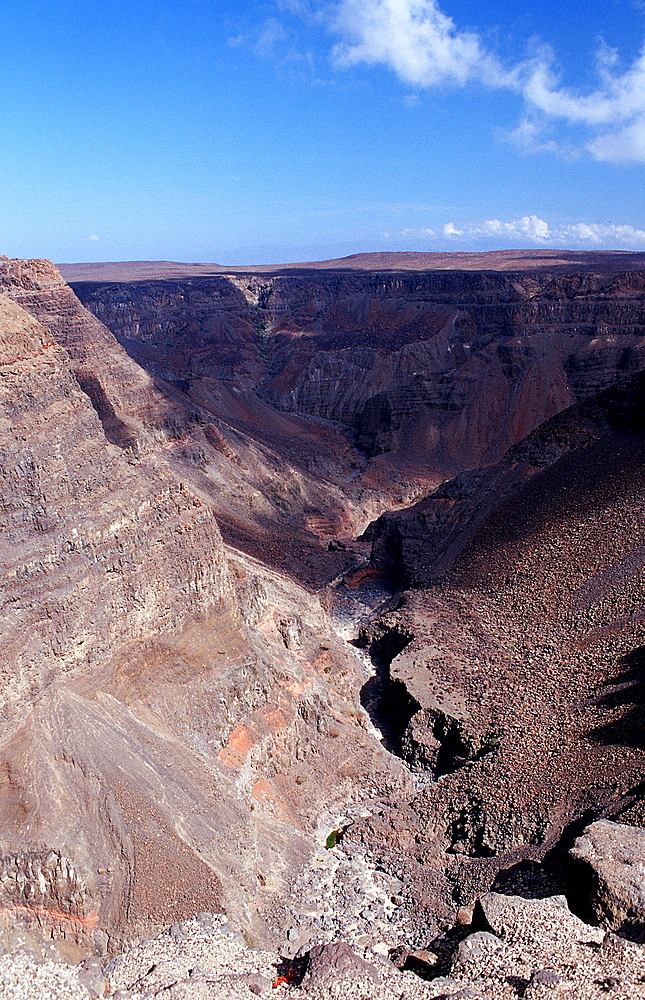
430 373
185 468
176 726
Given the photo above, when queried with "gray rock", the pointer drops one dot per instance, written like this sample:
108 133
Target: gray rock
206 921
613 859
258 984
442 983
197 972
293 934
476 949
545 977
176 932
334 963
90 975
113 965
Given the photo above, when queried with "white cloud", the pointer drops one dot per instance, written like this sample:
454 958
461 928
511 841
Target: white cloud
529 225
415 233
531 229
425 48
94 238
416 39
271 34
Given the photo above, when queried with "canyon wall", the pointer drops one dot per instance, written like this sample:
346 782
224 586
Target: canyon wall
429 373
186 465
179 722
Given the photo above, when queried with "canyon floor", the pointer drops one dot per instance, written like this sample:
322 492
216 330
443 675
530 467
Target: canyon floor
323 620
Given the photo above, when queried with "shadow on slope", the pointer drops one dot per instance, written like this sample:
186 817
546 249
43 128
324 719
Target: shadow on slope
625 692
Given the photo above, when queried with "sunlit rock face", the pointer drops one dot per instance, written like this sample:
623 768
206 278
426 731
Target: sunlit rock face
174 727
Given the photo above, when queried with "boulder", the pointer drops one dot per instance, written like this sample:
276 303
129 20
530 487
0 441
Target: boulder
477 949
535 923
611 857
336 963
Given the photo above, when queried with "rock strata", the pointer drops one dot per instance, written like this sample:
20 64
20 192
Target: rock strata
183 729
429 373
171 719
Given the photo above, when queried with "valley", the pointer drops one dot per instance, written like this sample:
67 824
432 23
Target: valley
350 549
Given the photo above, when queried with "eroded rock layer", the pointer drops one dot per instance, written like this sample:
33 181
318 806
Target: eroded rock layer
181 724
178 720
430 373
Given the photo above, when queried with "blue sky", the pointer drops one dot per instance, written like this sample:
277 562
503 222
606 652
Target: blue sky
274 130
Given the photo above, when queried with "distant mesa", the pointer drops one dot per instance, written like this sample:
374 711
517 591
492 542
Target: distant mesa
494 260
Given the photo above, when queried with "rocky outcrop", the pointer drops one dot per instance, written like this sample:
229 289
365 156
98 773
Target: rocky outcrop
611 869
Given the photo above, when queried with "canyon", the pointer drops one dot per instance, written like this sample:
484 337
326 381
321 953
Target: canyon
348 550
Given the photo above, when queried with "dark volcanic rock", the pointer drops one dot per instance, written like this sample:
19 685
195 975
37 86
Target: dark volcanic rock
525 657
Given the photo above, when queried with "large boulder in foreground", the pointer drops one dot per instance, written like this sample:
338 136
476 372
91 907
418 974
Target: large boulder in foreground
613 857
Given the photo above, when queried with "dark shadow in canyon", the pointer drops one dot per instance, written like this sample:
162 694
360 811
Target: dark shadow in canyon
116 430
386 701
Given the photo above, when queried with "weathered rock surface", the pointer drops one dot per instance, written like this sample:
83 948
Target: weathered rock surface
174 733
611 860
215 964
335 964
515 665
181 725
431 373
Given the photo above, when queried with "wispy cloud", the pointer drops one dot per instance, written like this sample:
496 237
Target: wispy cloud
425 48
534 230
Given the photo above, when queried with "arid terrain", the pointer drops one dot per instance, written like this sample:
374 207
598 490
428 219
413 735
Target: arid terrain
322 618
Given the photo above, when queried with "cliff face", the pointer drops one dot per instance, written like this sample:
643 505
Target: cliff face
155 684
430 373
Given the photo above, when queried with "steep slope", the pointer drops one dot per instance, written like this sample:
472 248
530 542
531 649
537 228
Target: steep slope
178 722
516 688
